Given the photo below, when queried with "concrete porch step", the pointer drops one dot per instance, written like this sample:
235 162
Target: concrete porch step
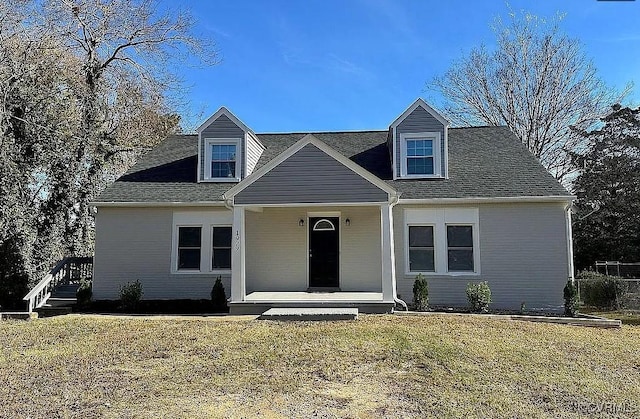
310 313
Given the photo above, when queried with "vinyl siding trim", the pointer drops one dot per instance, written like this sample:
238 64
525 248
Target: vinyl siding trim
155 204
492 199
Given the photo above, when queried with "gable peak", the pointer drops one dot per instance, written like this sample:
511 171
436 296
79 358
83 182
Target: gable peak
420 103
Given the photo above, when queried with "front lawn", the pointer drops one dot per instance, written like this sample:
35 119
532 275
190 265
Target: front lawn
378 366
626 316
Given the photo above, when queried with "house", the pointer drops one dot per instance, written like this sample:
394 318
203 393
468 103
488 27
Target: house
337 218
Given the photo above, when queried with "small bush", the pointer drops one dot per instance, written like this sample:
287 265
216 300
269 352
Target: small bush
602 291
218 296
570 299
84 293
479 296
420 293
130 295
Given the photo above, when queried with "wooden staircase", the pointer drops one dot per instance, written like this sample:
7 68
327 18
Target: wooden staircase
56 292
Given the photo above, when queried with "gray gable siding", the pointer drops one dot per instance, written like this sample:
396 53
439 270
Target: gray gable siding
310 176
223 127
419 121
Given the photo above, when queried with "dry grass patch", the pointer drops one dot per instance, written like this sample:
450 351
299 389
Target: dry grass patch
391 366
626 316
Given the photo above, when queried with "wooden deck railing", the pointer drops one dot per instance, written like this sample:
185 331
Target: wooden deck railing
69 270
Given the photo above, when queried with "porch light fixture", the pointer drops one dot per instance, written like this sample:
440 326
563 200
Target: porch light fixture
347 222
301 222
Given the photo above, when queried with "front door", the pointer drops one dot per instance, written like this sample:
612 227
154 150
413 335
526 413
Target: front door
323 252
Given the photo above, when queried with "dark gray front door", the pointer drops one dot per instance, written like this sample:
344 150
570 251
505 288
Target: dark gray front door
324 252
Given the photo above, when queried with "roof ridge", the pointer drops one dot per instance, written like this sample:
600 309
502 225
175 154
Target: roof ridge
324 132
481 126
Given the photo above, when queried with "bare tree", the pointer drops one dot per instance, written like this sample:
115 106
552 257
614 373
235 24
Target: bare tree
129 53
537 81
86 86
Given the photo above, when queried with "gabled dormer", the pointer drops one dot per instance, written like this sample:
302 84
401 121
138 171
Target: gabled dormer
418 143
228 150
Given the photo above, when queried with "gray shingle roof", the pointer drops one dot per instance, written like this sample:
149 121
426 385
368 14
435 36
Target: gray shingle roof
483 162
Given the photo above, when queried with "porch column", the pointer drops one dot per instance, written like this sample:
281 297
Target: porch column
387 257
238 288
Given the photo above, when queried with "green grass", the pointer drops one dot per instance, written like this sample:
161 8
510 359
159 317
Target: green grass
378 366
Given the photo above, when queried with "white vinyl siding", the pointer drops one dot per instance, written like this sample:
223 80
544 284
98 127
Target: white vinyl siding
136 244
254 151
277 248
524 257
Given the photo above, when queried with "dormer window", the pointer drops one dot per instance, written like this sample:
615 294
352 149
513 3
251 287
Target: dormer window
420 154
221 158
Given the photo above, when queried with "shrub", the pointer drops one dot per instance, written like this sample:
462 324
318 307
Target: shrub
479 296
420 293
218 296
130 295
84 293
599 290
570 299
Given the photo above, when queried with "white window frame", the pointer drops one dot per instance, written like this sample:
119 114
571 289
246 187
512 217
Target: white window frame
208 142
435 248
436 137
206 221
439 218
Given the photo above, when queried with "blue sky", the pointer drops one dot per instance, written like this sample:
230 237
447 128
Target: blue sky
320 65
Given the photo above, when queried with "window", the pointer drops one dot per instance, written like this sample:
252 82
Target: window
189 248
323 225
420 157
201 242
221 249
223 160
460 248
442 241
421 250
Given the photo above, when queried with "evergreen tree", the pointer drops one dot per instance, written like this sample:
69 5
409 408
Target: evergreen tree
607 224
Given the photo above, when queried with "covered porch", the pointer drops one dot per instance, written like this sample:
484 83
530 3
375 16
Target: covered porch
312 256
